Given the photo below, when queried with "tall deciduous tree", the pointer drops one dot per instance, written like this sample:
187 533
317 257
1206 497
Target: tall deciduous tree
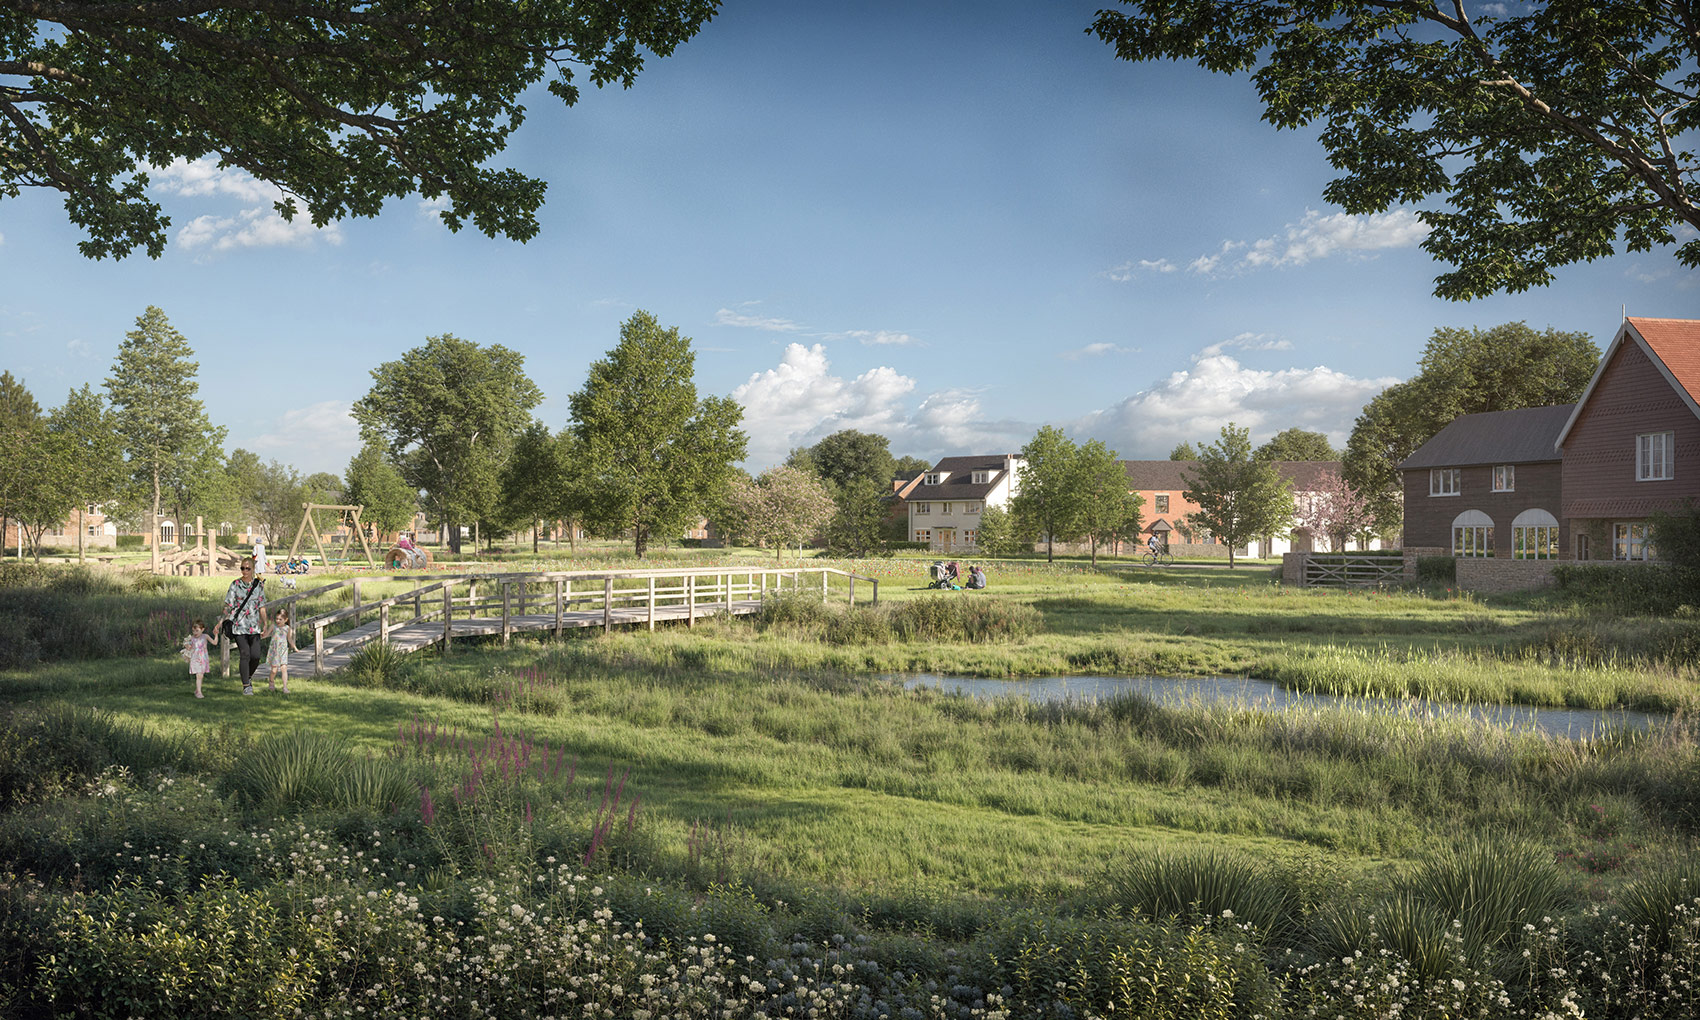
1296 444
858 525
1238 498
80 431
1048 501
161 423
446 411
784 506
1184 451
531 478
21 434
849 456
1555 130
1464 371
1001 533
374 483
340 104
1109 512
655 455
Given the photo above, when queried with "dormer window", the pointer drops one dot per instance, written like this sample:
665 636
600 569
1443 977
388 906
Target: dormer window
982 477
935 477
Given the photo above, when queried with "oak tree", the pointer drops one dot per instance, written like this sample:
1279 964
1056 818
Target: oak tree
341 104
1531 135
1296 444
446 412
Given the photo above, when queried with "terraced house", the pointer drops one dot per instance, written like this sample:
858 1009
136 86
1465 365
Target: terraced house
1569 481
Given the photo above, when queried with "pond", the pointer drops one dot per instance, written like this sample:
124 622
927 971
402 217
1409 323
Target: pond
1262 694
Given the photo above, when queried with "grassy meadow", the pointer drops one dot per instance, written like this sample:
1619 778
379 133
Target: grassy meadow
755 804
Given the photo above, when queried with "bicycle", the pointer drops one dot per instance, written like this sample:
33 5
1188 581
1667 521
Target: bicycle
1152 559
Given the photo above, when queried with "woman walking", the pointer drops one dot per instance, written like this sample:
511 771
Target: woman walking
245 608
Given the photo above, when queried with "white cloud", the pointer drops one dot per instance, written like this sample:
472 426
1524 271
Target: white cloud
79 348
801 400
727 317
318 437
772 324
257 226
432 208
1317 237
1128 270
1194 403
1095 350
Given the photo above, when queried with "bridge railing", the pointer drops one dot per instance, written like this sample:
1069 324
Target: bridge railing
622 596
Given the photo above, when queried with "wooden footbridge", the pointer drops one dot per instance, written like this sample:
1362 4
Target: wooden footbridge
485 605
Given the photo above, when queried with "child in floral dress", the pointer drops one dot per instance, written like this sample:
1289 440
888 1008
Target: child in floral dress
195 649
282 633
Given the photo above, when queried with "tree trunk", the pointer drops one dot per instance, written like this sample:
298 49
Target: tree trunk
534 538
82 529
1094 550
154 559
452 534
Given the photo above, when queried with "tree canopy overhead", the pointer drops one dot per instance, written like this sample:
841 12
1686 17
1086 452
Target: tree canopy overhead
1554 130
340 103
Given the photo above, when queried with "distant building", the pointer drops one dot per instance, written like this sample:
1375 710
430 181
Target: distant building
946 502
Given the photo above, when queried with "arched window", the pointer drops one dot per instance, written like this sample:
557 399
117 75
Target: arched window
167 533
1534 535
1472 534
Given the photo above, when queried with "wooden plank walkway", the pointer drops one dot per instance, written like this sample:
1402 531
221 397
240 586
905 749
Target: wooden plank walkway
412 635
578 599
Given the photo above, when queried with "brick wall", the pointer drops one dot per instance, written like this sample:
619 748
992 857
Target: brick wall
1502 575
1413 553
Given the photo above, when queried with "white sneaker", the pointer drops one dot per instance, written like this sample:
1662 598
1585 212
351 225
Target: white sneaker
247 690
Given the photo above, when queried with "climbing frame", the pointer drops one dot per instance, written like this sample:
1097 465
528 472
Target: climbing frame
309 525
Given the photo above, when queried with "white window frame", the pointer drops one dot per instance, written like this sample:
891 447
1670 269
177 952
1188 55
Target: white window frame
934 478
1653 455
923 508
1445 482
971 536
971 508
1472 535
1160 502
1534 535
1629 540
980 477
1505 478
923 535
944 508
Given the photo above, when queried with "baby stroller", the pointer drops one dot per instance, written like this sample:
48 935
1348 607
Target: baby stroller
944 575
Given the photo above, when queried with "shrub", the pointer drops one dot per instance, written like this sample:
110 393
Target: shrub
1662 902
308 768
128 542
1493 887
795 608
1640 588
957 617
377 665
1203 884
1437 570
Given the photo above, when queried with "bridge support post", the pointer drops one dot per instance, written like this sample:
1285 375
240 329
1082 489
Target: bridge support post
607 604
507 591
823 579
318 649
652 602
384 624
852 589
726 580
448 613
558 621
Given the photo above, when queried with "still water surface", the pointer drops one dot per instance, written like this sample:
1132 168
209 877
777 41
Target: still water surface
1571 722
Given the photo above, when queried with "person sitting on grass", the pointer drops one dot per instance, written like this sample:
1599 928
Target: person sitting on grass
976 577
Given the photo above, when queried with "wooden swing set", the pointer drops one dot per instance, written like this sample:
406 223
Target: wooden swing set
347 513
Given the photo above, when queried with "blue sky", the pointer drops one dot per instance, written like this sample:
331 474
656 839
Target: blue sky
950 223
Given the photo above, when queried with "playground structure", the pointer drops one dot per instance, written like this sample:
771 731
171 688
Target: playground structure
346 513
403 554
204 557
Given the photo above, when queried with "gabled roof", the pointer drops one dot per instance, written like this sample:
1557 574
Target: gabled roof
1523 436
1171 475
1673 345
959 479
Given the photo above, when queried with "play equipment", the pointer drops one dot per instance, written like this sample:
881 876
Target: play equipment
404 555
346 514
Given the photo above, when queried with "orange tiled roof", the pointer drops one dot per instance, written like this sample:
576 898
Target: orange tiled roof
1677 344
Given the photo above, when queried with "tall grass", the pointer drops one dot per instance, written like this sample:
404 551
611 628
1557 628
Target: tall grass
1204 885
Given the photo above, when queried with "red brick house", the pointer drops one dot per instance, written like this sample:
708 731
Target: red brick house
1489 485
1632 444
1570 481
